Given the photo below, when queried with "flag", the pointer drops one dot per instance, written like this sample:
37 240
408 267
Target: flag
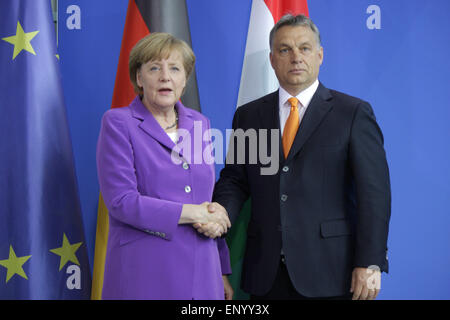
257 80
43 252
142 18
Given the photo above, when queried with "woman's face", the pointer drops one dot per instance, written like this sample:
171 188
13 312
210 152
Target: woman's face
162 81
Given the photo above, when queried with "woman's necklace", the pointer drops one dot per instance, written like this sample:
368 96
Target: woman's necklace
176 121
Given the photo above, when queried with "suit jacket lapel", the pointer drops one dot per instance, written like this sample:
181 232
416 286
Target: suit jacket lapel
185 131
270 119
185 117
152 127
318 108
268 112
149 123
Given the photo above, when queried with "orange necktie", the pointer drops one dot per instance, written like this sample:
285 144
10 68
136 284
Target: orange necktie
291 127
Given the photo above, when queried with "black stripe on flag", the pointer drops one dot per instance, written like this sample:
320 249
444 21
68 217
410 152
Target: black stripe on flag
171 17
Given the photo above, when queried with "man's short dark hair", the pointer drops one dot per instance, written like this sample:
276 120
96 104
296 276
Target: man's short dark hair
292 21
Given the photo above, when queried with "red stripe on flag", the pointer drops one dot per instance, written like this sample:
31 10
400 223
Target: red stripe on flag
279 8
135 29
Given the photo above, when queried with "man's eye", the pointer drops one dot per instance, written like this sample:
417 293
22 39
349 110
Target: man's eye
284 50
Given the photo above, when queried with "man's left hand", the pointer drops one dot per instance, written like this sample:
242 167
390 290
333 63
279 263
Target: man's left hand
366 283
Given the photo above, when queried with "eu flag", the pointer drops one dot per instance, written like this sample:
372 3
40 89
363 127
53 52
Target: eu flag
42 248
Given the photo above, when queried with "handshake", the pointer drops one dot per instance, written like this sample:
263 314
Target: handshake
209 219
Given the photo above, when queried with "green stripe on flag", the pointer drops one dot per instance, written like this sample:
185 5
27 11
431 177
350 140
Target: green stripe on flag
236 241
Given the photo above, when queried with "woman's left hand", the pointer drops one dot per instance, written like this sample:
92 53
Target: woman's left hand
228 288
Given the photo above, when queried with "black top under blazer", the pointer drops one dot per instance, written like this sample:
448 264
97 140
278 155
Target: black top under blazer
328 206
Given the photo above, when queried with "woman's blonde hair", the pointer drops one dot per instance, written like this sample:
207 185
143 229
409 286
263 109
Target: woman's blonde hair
157 46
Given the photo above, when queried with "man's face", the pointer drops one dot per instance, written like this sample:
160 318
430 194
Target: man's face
296 57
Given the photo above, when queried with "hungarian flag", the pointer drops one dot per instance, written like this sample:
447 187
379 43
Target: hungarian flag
142 18
257 80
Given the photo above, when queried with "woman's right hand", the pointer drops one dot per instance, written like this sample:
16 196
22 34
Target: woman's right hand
211 229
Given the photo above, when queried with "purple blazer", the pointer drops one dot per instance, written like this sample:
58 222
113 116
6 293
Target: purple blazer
149 255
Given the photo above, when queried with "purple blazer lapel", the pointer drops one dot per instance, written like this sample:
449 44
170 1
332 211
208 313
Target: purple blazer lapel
149 123
185 117
185 131
152 127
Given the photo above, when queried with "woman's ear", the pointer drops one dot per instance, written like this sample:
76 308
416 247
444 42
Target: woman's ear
138 78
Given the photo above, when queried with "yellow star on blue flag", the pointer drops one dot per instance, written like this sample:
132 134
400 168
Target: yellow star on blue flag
21 40
14 264
67 252
37 206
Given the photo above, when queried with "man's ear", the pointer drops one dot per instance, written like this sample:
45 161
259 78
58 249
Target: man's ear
321 55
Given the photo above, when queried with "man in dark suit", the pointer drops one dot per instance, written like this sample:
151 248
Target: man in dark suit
319 226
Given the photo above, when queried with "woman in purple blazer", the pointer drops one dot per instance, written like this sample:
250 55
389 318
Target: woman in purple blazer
155 195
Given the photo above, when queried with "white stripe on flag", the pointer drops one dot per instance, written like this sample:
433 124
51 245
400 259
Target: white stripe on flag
257 77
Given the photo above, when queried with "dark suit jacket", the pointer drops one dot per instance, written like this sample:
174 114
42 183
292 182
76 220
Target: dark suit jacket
328 206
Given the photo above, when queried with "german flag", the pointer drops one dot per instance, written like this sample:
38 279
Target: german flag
142 18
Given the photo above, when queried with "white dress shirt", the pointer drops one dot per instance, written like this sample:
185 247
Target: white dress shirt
303 97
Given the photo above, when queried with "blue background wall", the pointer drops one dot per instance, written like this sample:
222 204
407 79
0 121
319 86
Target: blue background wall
401 69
